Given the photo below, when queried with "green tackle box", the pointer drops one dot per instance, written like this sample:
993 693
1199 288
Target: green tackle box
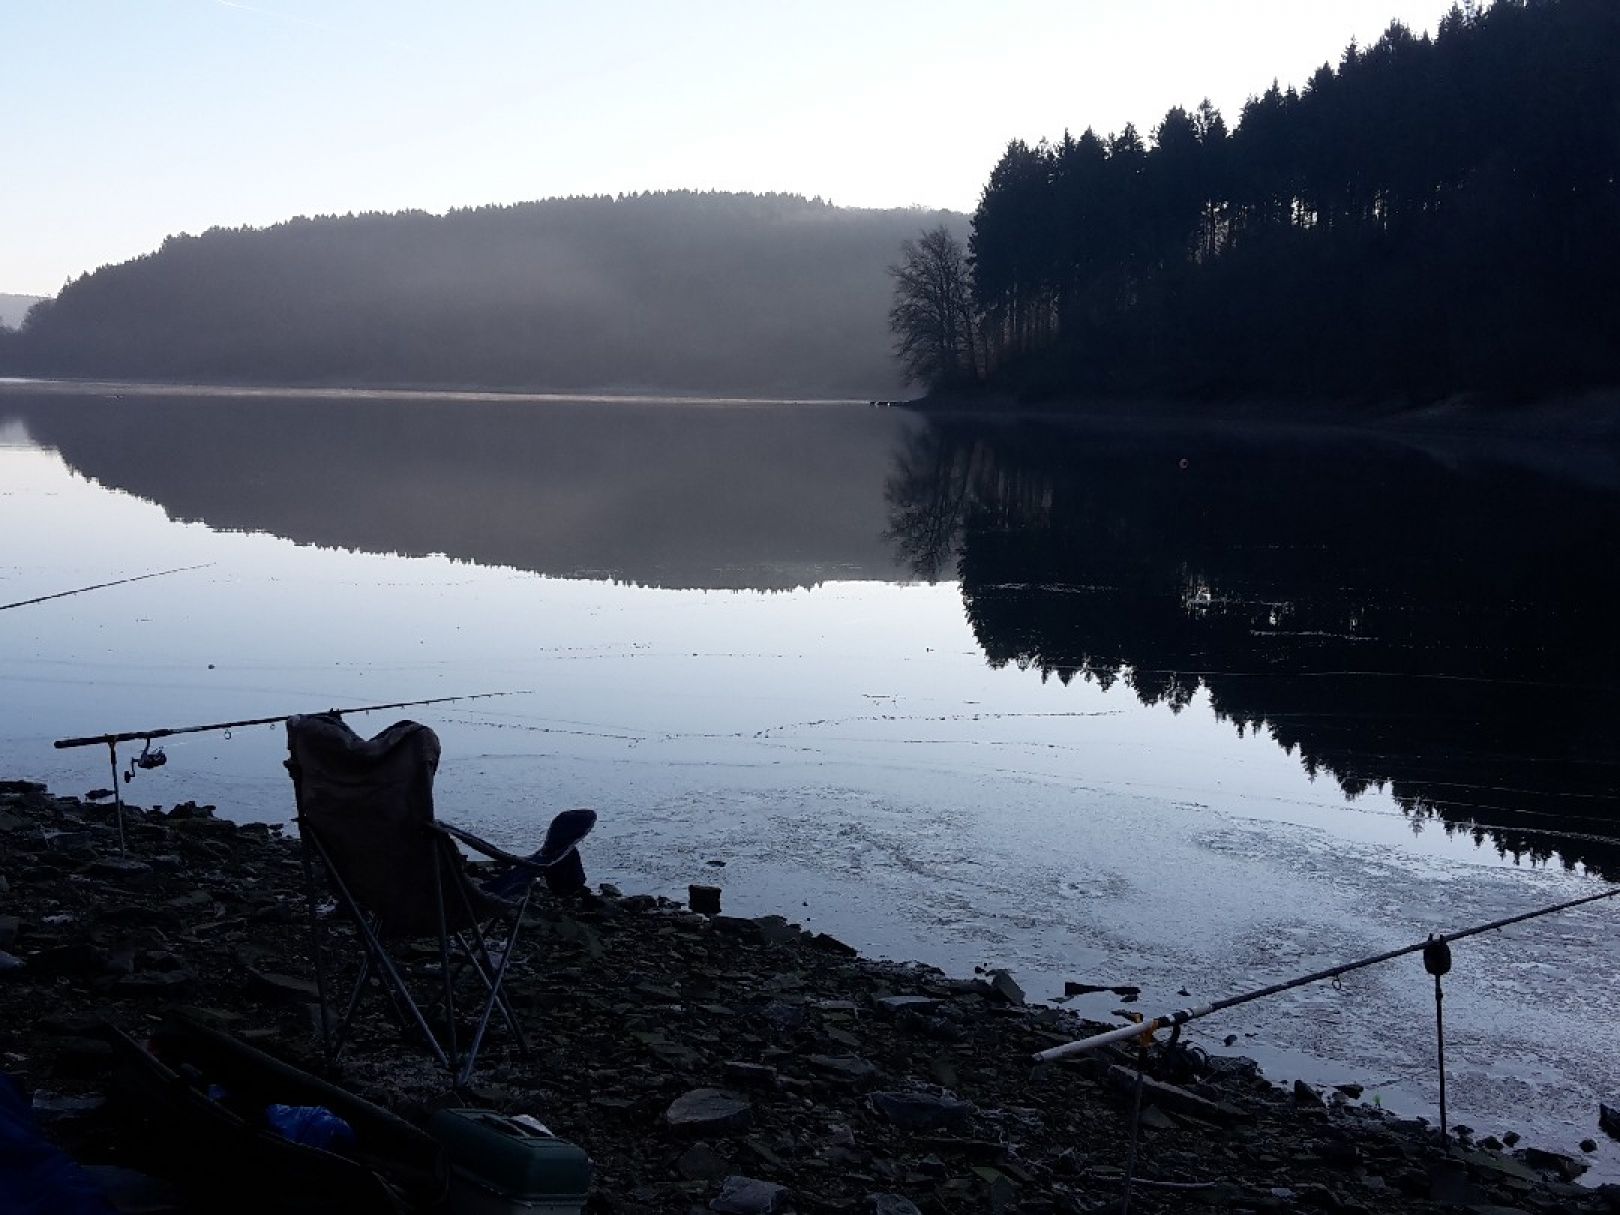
502 1165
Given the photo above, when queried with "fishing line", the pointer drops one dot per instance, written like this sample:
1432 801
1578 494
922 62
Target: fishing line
103 585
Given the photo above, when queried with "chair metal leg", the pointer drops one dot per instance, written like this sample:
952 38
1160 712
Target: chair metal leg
355 993
494 997
377 966
379 957
478 969
316 952
444 961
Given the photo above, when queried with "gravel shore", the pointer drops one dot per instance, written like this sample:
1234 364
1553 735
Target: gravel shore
704 1062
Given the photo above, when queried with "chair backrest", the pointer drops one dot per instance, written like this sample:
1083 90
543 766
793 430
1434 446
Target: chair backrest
369 804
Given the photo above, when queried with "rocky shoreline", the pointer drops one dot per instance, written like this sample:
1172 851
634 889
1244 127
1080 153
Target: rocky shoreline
705 1062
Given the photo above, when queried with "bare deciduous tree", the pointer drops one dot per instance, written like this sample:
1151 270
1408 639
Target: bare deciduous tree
935 326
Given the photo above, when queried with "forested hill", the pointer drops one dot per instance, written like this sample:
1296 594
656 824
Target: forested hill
730 294
14 307
1434 215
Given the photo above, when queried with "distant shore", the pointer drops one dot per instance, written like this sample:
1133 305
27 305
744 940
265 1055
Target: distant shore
842 1077
1593 416
43 386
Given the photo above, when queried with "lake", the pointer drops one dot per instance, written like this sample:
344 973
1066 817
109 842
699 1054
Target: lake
1181 706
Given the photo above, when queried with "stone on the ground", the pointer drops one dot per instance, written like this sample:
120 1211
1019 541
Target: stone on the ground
84 1057
700 1162
77 958
1566 1167
51 1107
708 1111
121 869
1005 987
169 982
1173 1097
281 988
750 1075
828 943
1305 1095
916 1004
890 1204
704 899
843 1067
1609 1119
776 930
922 1111
748 1196
1155 1119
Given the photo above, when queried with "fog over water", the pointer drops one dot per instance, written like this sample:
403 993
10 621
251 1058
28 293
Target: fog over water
1173 707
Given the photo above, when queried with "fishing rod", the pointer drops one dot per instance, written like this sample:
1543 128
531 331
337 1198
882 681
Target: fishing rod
103 585
1146 1028
171 731
156 759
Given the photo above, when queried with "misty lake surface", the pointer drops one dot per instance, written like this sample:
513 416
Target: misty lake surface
1176 707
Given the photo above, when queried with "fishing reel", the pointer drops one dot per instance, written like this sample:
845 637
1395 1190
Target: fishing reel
1437 956
146 761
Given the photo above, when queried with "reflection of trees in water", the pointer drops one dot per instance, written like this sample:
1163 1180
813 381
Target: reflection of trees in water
764 498
1440 633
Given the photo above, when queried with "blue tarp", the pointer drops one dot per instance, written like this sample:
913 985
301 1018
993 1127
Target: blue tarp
36 1176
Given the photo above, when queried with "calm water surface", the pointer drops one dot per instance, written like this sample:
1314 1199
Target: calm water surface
1178 709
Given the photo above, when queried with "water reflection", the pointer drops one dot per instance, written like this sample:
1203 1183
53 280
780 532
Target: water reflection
1437 628
1444 631
663 494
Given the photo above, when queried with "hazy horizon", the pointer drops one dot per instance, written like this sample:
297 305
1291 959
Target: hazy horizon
184 115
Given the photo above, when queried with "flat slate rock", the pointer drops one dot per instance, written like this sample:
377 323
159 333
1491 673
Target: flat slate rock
700 1162
922 1111
750 1075
120 870
51 1107
708 1111
749 1196
153 983
282 988
1174 1099
1006 987
916 1004
843 1067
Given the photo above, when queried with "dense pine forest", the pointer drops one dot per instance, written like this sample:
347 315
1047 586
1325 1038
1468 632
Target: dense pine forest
680 291
1436 215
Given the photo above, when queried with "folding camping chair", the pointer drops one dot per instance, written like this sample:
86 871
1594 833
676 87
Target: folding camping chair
365 817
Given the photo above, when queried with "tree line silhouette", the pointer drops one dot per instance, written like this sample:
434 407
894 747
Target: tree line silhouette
1440 632
1435 215
738 294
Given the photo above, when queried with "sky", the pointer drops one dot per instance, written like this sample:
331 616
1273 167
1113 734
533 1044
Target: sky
127 120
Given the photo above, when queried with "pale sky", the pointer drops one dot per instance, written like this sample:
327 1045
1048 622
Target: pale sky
126 120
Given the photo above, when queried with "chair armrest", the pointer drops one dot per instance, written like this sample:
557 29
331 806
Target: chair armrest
483 846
